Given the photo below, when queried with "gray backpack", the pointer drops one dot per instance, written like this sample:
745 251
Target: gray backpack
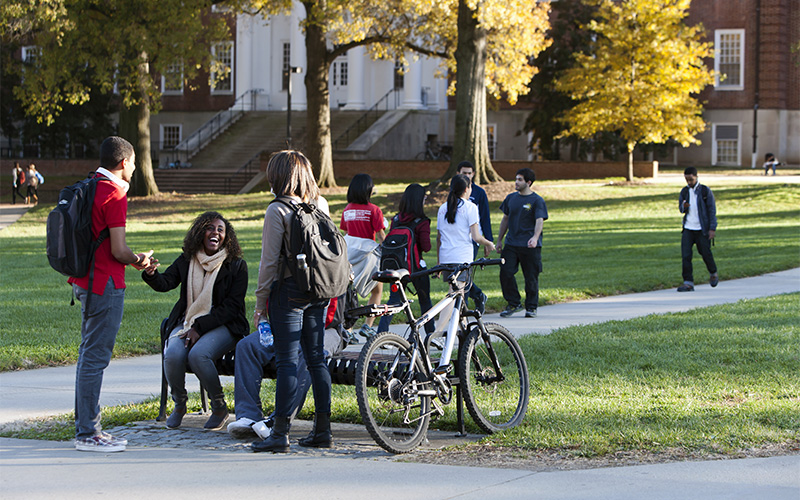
324 272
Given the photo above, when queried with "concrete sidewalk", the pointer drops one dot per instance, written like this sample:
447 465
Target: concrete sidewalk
40 469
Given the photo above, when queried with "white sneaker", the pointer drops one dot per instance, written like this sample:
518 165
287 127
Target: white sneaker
241 428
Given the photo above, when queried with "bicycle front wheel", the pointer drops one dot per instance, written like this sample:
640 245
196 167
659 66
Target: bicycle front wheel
494 378
393 397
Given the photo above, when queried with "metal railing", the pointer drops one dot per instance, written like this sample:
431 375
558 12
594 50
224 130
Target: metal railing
367 119
190 146
245 173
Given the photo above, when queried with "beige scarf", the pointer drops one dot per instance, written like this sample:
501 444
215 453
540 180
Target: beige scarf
203 270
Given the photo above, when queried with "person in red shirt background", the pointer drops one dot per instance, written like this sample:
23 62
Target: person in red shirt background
363 222
101 316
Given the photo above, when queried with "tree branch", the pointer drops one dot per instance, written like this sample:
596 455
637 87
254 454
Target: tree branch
425 51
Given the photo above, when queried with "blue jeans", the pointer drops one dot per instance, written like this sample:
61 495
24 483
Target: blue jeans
297 322
99 327
423 287
200 358
251 358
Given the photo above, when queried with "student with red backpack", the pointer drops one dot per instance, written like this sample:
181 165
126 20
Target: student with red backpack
409 237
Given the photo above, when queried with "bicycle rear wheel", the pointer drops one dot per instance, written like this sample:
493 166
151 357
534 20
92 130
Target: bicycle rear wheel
387 389
494 378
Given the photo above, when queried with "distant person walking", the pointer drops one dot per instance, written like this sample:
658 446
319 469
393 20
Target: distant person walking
479 198
699 210
33 178
18 180
524 213
102 315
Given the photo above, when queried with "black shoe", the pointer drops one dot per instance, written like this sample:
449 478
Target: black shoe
320 436
686 287
713 280
217 419
509 310
530 313
278 440
176 417
480 303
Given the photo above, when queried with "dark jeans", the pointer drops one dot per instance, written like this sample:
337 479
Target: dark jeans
689 238
423 287
16 192
297 322
530 259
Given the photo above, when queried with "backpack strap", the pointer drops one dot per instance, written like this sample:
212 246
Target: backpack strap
284 258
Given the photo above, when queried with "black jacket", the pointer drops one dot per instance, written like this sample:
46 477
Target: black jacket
227 302
706 207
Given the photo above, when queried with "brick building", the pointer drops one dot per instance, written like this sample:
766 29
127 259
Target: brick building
755 108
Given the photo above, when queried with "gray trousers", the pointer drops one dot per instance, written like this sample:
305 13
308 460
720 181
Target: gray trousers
200 358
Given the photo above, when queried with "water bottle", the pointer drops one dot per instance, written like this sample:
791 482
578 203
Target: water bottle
265 333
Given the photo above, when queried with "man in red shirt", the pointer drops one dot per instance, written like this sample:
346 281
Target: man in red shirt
101 321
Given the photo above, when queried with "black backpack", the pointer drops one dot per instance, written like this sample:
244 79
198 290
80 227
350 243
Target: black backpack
325 271
399 248
70 244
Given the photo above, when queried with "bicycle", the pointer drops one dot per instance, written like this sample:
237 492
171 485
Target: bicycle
435 152
401 383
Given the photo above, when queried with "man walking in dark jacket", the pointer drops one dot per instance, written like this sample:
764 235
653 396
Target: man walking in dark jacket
697 204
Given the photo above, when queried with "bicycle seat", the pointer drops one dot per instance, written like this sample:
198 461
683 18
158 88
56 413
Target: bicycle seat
390 275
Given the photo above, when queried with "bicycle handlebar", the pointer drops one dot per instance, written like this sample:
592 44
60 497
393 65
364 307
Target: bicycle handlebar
456 268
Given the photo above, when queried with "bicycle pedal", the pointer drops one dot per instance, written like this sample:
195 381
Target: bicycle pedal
443 370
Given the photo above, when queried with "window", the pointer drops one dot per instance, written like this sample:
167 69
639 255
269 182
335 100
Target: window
729 59
287 55
172 79
339 76
30 53
343 73
399 75
491 134
725 147
222 68
170 136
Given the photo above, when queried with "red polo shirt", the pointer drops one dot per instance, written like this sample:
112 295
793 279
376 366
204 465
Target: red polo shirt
110 210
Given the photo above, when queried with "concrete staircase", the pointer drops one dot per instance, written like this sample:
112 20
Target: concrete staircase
214 168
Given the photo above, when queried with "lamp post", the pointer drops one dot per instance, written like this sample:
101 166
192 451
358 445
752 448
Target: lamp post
287 73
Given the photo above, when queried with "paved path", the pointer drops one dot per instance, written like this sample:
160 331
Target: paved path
193 462
10 213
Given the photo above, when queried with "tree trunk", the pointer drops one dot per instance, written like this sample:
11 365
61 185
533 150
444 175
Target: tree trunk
318 121
134 125
471 141
631 145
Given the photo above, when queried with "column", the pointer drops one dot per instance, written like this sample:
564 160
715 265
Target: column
355 79
412 91
298 58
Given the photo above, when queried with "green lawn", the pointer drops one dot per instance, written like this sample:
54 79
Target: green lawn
599 240
716 380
